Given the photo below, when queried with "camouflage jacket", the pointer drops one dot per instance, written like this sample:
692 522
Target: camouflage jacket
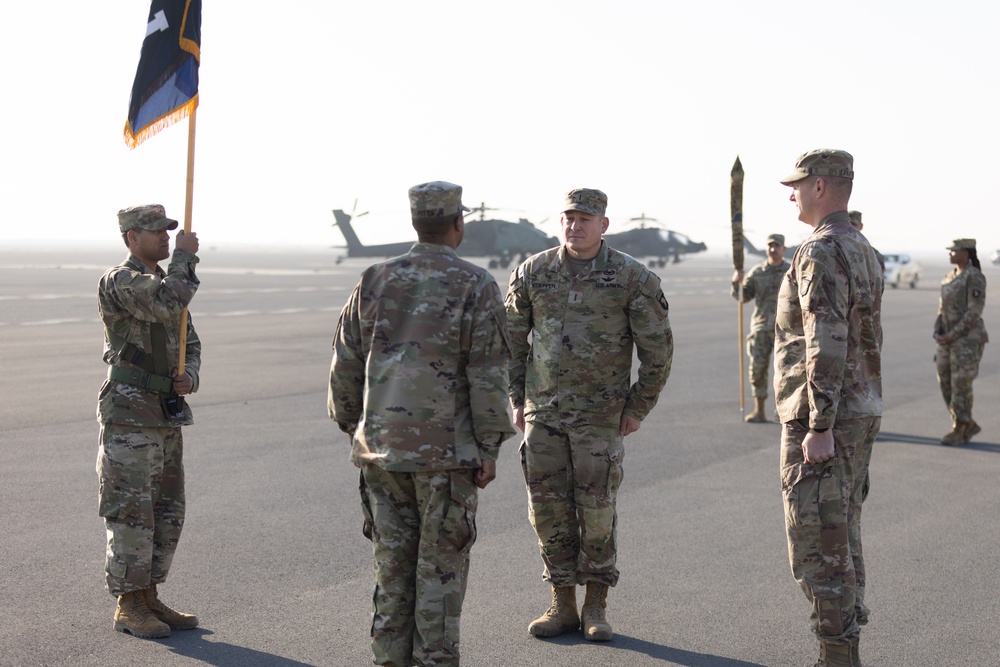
761 284
960 310
419 369
576 368
828 330
130 298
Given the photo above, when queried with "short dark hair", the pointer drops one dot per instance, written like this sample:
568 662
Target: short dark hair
435 226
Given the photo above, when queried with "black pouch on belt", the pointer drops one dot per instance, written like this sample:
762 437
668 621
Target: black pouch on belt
173 407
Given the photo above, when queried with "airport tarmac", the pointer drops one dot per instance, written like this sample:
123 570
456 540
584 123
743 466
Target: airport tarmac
273 560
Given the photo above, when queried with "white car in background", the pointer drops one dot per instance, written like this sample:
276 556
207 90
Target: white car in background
901 270
995 257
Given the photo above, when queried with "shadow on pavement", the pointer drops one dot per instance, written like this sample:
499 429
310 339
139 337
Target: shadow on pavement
192 644
936 442
668 654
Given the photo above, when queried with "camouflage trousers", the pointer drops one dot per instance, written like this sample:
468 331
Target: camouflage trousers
572 480
823 521
423 528
957 367
760 345
141 499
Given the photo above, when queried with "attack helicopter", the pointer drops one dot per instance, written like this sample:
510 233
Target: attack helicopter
762 252
653 241
500 241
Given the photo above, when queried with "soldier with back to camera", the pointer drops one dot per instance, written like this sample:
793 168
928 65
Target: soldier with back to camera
418 380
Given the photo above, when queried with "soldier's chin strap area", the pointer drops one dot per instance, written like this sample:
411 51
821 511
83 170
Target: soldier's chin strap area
153 373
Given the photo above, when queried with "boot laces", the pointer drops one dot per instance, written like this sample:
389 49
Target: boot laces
138 609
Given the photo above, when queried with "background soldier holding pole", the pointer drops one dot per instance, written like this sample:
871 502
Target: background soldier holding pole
761 284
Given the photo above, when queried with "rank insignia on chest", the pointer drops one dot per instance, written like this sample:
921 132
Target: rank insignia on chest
575 297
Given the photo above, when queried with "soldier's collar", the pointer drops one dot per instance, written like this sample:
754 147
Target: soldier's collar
599 262
834 218
433 247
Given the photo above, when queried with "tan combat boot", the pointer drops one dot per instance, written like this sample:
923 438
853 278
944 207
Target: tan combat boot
955 436
971 429
757 416
175 619
134 617
595 624
836 655
561 616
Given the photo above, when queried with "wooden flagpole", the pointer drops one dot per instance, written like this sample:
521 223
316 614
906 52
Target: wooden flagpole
188 206
736 214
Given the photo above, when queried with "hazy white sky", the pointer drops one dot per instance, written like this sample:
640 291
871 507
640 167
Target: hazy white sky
306 106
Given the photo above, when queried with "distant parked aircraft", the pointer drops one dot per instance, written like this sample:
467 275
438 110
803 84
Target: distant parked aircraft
499 240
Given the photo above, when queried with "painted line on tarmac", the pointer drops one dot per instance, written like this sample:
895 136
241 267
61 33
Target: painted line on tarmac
204 293
196 314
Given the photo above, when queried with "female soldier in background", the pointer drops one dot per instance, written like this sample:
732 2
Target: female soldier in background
960 334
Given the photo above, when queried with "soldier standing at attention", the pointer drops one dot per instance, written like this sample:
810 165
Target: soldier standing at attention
960 334
586 306
761 285
828 388
418 380
141 410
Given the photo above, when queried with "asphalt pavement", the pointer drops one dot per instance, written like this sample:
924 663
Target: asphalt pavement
272 558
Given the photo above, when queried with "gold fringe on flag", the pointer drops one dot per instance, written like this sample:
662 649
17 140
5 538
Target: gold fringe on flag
164 121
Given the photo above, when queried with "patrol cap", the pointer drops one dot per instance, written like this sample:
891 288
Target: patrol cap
776 238
962 244
586 200
436 199
822 162
151 216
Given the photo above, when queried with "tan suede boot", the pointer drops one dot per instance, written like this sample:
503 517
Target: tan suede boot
956 436
595 624
757 416
175 619
971 429
836 655
134 617
561 616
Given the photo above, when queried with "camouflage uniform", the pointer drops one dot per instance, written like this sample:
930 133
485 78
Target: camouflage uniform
418 379
761 284
140 458
572 379
960 316
828 376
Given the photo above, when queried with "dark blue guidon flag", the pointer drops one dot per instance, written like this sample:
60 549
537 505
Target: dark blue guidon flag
166 82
